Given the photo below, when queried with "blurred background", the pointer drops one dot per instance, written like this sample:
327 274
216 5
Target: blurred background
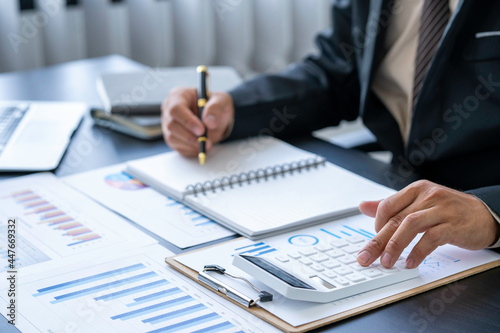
253 36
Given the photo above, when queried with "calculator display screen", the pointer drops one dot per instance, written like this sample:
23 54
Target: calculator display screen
278 272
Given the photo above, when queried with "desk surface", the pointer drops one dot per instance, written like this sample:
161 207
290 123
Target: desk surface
476 306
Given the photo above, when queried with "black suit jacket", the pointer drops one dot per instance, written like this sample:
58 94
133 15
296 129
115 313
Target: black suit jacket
455 134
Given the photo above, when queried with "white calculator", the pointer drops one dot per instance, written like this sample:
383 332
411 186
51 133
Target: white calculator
323 272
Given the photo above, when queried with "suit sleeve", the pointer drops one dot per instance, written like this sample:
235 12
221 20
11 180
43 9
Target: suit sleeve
490 195
318 92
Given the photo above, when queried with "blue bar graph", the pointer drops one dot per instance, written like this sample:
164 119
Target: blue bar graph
199 218
105 286
139 294
152 308
216 328
264 252
87 279
187 323
133 290
175 314
265 247
155 296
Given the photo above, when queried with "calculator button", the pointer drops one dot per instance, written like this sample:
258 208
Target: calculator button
294 255
355 239
342 271
355 248
305 261
317 267
282 258
320 257
330 264
323 247
355 277
335 253
357 267
372 273
347 260
342 281
339 243
307 252
329 275
388 270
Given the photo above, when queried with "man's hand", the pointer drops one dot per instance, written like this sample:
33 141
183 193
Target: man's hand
182 127
445 216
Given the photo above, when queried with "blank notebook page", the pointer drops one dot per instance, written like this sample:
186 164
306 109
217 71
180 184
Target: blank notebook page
290 200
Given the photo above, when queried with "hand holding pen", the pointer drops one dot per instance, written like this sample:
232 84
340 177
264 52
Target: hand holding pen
182 125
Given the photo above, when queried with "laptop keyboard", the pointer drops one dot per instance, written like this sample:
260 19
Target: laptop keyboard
10 117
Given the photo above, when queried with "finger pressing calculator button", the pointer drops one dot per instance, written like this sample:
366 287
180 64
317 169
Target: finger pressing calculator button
357 267
388 270
372 273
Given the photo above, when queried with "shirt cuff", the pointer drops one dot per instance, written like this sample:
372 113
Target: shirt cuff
497 219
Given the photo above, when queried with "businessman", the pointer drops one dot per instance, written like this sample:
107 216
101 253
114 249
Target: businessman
424 75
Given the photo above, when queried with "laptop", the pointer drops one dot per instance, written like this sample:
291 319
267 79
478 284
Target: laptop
34 135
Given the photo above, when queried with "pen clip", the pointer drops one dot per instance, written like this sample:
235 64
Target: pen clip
229 291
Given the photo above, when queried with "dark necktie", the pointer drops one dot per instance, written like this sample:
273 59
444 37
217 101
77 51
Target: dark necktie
435 16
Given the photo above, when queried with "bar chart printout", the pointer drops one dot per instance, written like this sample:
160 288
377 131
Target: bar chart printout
125 295
55 221
164 216
48 214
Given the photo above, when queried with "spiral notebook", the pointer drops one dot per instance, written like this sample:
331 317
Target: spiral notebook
260 186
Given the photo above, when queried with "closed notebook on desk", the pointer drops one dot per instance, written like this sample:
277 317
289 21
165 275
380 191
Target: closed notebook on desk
259 186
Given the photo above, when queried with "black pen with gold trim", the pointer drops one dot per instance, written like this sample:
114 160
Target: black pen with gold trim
203 95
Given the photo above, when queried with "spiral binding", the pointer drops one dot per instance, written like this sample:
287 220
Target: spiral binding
255 175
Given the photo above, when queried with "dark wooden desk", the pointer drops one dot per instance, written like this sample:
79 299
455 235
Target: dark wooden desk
475 307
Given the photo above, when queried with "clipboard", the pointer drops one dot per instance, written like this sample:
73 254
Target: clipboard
284 326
